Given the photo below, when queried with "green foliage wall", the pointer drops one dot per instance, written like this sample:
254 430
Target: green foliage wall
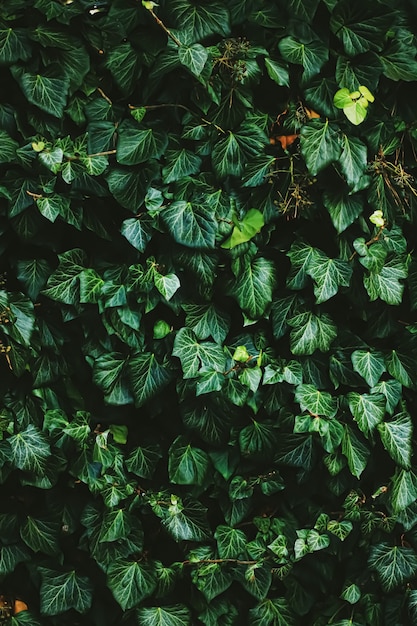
208 312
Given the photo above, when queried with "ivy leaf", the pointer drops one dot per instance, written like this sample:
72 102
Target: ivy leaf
396 59
319 145
253 286
166 284
211 580
40 536
14 45
63 284
360 29
110 375
391 389
193 57
130 582
401 367
187 465
245 229
191 225
174 615
33 274
180 163
142 461
276 612
48 94
256 579
311 332
278 72
370 365
403 490
353 159
329 275
207 320
315 401
147 377
137 145
396 436
228 157
8 148
194 355
343 209
355 451
367 409
61 592
385 284
11 555
201 21
186 522
311 56
393 564
30 449
231 542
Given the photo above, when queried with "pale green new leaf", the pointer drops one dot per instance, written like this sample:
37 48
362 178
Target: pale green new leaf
172 615
311 332
396 436
369 364
187 465
130 582
315 401
320 145
367 409
394 565
60 592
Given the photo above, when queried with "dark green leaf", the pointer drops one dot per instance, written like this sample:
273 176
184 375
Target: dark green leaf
393 564
130 582
61 592
191 225
175 615
319 145
187 465
147 377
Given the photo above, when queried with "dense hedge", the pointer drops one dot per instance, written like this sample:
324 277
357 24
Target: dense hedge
207 309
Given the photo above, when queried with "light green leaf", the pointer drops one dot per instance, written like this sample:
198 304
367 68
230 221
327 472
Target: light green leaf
255 280
369 364
355 451
315 401
61 592
130 582
193 57
396 436
174 615
245 229
311 332
147 377
40 536
194 355
353 160
187 465
136 145
367 409
319 145
394 565
191 225
48 94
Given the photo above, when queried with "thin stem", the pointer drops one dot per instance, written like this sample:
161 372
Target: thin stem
97 154
162 25
236 561
154 107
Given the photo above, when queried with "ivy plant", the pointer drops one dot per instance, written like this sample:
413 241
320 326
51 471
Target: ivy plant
208 313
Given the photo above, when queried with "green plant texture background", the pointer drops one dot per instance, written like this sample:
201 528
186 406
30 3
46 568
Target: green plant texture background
208 312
